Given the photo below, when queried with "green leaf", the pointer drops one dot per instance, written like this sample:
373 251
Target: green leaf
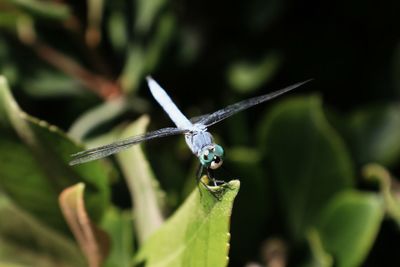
373 134
44 9
133 70
197 234
51 84
44 152
142 57
245 76
146 14
388 189
8 21
144 188
116 29
119 227
307 160
97 116
349 225
320 258
25 240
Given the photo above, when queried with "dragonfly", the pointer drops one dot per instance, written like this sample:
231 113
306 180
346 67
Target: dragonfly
195 130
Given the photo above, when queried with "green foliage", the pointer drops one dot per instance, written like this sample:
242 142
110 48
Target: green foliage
43 9
246 76
307 173
372 134
318 172
377 173
205 212
349 226
36 170
144 188
25 240
119 225
196 235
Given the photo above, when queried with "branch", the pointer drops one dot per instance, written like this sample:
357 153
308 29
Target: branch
105 88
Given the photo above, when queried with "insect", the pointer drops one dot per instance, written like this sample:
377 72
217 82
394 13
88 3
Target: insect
197 137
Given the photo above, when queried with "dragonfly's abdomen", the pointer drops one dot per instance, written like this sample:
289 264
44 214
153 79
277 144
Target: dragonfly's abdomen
198 140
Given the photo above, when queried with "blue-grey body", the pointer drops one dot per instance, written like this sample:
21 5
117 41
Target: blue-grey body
199 140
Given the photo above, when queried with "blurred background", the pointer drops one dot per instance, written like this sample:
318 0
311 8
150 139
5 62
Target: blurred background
317 166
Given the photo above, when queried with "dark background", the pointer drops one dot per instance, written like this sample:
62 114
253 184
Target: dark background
350 48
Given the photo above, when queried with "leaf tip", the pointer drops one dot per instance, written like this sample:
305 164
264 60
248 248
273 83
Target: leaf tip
76 189
234 183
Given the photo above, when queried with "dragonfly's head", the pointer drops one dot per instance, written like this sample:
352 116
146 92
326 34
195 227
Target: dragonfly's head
212 156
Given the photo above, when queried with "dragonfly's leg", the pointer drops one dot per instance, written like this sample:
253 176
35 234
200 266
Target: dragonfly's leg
199 172
215 194
211 178
210 174
200 181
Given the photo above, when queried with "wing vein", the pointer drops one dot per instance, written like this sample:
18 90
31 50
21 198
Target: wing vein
107 150
219 115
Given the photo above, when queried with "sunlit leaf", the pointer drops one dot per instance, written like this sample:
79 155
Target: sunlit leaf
197 234
144 188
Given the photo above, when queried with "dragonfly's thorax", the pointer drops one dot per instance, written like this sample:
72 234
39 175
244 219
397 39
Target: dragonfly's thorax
198 139
211 156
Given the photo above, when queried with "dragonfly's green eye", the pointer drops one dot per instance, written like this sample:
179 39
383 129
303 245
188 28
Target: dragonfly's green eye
218 150
211 157
206 157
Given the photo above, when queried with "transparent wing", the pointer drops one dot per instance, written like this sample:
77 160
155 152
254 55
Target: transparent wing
210 119
199 118
107 150
168 105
